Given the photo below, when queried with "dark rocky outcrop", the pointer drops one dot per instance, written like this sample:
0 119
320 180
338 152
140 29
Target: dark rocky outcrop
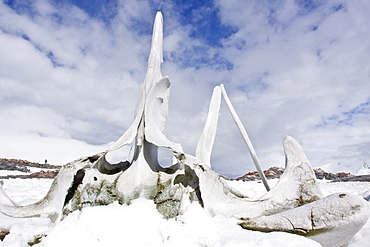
276 172
48 171
20 165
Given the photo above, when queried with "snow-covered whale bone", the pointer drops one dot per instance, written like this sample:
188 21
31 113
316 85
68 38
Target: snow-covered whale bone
149 123
331 221
207 138
154 119
243 132
298 186
142 178
77 180
52 204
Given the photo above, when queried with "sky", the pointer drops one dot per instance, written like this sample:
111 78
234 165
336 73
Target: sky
70 73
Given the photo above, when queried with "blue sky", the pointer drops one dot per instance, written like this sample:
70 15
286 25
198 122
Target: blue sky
70 72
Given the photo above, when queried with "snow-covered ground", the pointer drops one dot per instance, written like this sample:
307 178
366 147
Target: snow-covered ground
139 224
6 173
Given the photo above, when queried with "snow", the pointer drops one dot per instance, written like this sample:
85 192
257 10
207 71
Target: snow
26 191
6 173
32 170
140 224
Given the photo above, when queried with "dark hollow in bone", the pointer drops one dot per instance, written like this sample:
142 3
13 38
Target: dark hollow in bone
77 180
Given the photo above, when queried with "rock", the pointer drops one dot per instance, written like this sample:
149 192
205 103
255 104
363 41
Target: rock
276 172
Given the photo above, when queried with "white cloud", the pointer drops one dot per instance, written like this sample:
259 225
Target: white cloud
310 74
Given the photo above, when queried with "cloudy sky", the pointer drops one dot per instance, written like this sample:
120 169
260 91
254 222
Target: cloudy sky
70 72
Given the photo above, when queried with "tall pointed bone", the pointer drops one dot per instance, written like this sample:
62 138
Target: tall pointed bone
147 130
151 108
206 140
153 75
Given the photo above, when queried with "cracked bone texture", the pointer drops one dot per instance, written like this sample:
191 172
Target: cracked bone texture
297 186
330 221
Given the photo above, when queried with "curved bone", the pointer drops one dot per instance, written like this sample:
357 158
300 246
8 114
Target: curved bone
331 221
103 166
296 187
156 116
298 180
206 140
143 173
245 136
52 204
156 108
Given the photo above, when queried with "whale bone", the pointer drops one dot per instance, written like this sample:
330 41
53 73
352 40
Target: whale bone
92 181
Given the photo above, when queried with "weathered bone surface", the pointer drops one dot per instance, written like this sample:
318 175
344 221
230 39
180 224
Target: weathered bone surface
331 221
206 140
294 205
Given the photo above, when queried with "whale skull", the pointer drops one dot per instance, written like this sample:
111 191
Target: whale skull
294 205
